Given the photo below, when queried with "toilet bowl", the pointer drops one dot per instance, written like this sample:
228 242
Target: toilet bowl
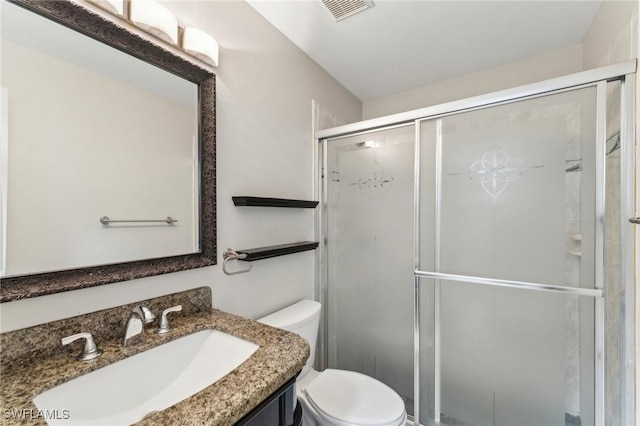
336 397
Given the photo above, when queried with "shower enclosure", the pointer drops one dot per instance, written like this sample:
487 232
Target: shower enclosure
477 255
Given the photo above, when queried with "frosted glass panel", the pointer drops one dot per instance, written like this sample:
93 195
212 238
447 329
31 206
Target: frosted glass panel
509 193
614 369
370 256
427 371
507 356
516 187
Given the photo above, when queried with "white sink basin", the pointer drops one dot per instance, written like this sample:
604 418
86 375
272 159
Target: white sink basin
126 391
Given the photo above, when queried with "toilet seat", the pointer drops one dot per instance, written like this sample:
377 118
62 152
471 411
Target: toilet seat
349 398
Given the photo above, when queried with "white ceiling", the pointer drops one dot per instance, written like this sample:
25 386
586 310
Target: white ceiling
398 45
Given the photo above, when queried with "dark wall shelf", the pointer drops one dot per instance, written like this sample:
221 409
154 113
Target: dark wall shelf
244 201
279 250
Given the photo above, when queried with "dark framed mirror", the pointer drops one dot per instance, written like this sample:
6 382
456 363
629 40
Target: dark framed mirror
201 251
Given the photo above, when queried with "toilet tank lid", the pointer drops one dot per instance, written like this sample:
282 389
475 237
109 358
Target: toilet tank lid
293 316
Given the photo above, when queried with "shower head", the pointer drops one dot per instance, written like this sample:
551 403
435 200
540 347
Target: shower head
367 144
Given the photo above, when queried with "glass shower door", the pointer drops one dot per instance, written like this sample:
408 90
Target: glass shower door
369 222
510 255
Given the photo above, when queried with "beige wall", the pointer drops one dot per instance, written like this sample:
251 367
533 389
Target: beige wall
264 142
542 67
613 36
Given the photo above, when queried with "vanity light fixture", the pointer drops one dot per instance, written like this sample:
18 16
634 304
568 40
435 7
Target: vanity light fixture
201 45
155 19
112 6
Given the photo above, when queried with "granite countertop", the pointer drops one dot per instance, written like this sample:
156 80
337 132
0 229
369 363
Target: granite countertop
280 357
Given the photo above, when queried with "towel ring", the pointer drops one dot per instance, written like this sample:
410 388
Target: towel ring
230 254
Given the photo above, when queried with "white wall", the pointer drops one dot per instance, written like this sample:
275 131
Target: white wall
265 86
538 68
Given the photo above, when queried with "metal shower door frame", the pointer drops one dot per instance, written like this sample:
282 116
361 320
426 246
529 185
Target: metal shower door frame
598 78
627 173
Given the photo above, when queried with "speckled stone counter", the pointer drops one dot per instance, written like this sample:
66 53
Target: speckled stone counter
280 357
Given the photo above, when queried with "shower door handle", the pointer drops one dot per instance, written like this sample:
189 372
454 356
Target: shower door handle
635 220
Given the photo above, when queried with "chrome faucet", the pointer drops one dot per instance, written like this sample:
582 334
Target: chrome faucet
139 316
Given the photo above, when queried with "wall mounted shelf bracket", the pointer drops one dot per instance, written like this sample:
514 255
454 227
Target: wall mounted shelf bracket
249 255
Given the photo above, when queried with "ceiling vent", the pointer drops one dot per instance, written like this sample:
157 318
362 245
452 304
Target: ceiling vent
342 9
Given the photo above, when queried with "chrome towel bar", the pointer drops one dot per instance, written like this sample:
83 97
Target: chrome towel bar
105 220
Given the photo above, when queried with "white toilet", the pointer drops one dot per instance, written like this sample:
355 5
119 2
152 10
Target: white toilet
336 397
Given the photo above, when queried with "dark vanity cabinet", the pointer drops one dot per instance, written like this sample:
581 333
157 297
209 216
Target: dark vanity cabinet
279 409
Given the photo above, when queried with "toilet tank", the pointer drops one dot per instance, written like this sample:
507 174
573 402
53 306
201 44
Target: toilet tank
302 318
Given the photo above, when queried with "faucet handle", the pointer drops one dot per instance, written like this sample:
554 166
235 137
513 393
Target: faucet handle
164 326
90 351
145 314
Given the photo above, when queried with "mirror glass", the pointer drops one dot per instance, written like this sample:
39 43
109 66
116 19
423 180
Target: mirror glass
107 163
88 131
